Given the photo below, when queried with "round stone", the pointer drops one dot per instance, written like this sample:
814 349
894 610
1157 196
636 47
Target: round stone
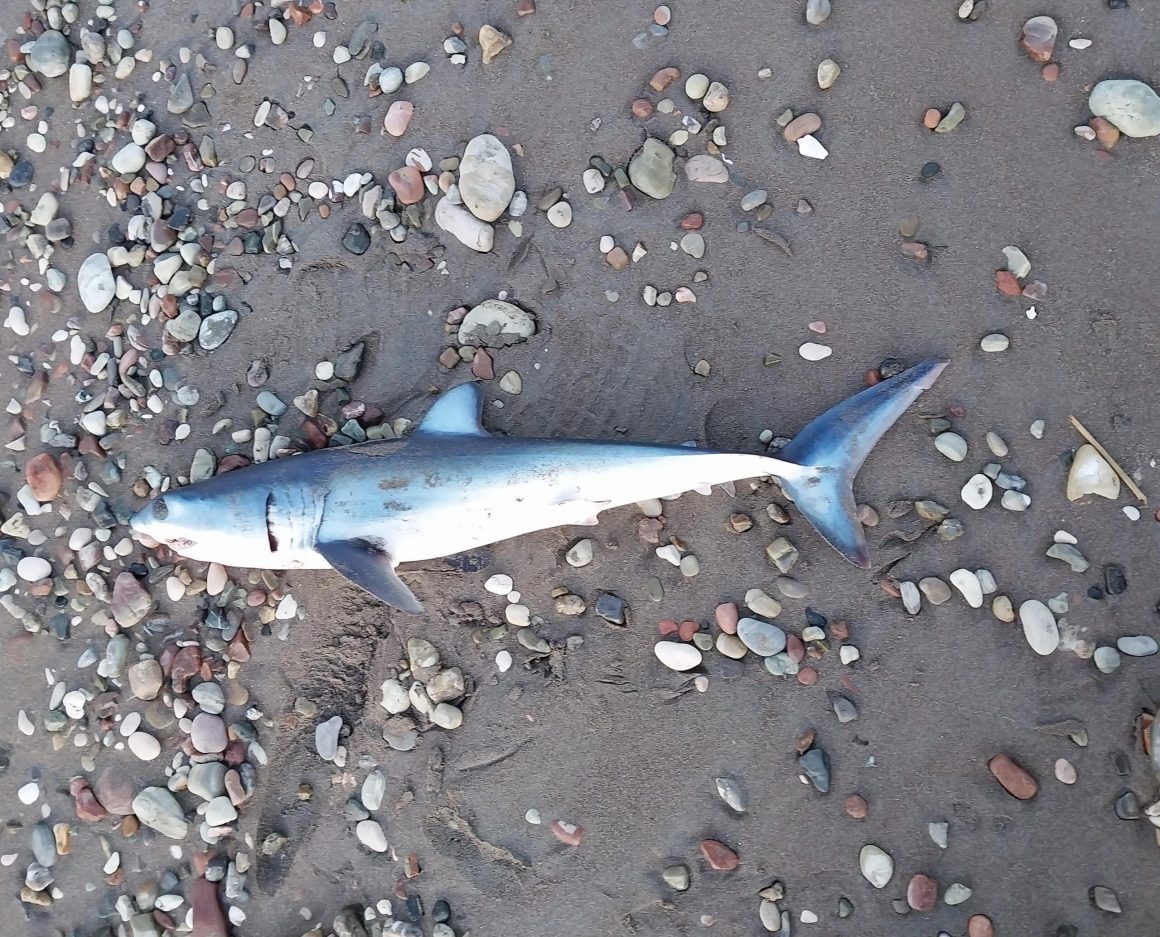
996 341
1138 645
144 746
977 492
762 638
679 657
952 445
876 865
1039 627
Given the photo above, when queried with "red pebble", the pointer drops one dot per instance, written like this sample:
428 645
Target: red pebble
922 893
857 807
568 833
87 806
667 626
727 617
687 629
642 108
872 377
979 925
1050 72
692 221
719 856
807 676
1008 285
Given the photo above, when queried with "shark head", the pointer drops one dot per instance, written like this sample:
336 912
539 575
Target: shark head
203 526
174 520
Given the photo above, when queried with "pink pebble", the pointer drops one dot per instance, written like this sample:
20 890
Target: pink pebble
818 326
398 118
727 616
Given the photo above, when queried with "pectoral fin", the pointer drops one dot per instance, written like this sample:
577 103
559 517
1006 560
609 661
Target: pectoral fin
372 569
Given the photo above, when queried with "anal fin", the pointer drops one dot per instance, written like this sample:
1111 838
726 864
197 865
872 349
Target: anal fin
372 569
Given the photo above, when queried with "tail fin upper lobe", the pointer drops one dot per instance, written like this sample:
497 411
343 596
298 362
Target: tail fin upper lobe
836 444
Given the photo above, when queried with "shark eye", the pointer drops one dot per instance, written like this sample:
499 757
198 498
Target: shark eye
160 509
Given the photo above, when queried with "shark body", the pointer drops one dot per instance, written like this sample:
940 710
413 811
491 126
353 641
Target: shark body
450 487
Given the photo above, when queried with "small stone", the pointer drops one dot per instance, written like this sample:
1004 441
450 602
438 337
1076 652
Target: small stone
1039 627
956 894
651 169
814 351
922 893
876 865
856 807
828 72
811 146
129 159
817 11
1069 554
977 492
762 638
95 283
1014 779
496 324
705 168
1139 645
208 733
936 591
911 597
1038 41
979 925
676 876
930 120
1131 106
952 445
492 42
995 342
730 792
158 809
1105 899
968 584
398 117
144 746
719 856
1107 659
370 834
560 215
43 476
50 54
580 554
716 98
815 764
1091 474
955 116
679 657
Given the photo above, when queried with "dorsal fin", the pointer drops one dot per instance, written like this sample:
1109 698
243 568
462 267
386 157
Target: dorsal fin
455 413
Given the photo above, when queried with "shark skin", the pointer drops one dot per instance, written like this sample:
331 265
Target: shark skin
451 487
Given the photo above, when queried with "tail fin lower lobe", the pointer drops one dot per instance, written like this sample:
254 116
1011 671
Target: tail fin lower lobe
834 446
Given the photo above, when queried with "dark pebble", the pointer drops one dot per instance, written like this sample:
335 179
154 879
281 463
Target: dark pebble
355 811
1114 579
357 239
21 174
1095 592
1117 4
817 619
900 906
414 907
845 908
929 170
730 669
441 913
816 766
1127 806
1121 763
347 364
611 608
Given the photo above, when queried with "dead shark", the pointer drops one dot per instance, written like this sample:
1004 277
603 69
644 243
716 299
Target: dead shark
451 486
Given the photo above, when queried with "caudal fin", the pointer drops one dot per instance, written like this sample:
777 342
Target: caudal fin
835 445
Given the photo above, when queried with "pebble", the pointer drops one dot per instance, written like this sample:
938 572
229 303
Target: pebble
955 116
1107 659
676 876
719 856
730 792
769 913
1139 645
977 492
492 42
651 169
679 657
856 807
208 733
50 54
876 865
693 244
696 85
731 646
1105 899
801 126
1090 474
129 159
1069 554
817 11
828 72
560 214
370 834
580 554
979 925
922 893
814 351
487 181
936 591
464 227
447 716
594 182
811 146
33 569
762 638
716 98
956 894
158 809
706 168
1038 40
144 746
1131 106
1015 501
968 584
1036 429
1014 779
995 342
952 445
1039 627
815 764
95 283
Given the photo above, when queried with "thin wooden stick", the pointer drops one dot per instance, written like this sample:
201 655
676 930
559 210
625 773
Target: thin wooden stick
1127 479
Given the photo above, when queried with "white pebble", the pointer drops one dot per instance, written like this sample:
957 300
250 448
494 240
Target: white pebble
499 584
503 661
813 351
679 657
952 445
968 584
29 793
977 492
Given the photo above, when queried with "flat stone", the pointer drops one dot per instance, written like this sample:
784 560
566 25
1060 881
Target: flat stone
679 657
464 226
1070 555
814 351
968 584
955 116
1105 899
922 893
371 835
706 168
719 856
676 876
207 779
95 283
1090 474
801 126
952 445
143 745
1131 106
216 328
220 811
876 865
817 11
911 597
956 894
977 492
208 733
815 765
1139 645
761 637
730 792
1015 779
1107 659
828 72
651 169
811 146
50 54
731 646
936 591
158 809
762 604
114 790
580 553
1038 40
496 324
611 608
1039 627
791 588
487 181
